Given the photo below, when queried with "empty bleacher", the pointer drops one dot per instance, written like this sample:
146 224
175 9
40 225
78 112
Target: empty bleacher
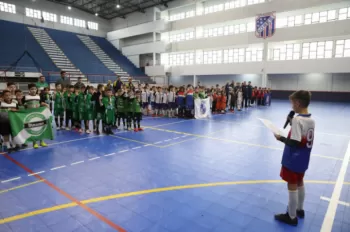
15 38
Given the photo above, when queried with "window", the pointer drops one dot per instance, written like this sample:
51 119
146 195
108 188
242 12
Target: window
79 23
315 17
282 22
343 13
189 14
92 25
291 22
298 20
251 27
253 54
33 13
331 15
6 7
307 19
317 50
49 16
342 48
286 52
66 20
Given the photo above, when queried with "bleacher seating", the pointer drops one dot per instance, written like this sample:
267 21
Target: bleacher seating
118 57
15 38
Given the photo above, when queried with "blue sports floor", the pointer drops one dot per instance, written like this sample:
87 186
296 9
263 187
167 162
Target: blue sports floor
220 174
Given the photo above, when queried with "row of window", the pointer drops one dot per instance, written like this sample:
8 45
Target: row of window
181 37
226 56
64 19
6 7
230 5
10 8
182 15
309 50
316 17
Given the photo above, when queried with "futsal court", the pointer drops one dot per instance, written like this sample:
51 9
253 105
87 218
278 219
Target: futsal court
219 174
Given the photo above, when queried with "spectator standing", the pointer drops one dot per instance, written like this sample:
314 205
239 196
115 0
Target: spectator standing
79 84
64 81
245 94
250 93
227 91
130 85
41 84
117 84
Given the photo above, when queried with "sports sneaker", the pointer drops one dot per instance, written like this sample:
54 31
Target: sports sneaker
81 130
35 146
87 131
285 218
67 128
129 129
300 213
43 144
136 130
140 129
62 128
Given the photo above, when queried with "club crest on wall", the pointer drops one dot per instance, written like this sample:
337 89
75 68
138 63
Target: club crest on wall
265 25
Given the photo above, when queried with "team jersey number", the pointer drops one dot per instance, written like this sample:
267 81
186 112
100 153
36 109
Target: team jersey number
310 138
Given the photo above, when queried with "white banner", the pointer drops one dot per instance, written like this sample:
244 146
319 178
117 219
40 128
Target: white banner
202 108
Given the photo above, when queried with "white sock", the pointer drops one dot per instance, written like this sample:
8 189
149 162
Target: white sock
293 203
301 197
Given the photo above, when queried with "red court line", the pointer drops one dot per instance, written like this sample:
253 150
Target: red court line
93 212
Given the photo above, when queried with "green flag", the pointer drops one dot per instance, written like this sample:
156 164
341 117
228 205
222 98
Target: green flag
31 125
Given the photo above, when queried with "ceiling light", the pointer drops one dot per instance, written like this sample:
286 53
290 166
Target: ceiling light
69 8
118 6
96 14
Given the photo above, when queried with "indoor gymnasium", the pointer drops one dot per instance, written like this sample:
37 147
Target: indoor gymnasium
174 116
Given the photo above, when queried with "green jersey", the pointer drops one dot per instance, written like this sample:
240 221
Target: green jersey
81 102
120 104
74 104
136 105
58 105
109 105
202 95
41 85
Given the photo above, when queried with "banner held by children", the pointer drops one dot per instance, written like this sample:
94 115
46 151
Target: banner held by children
202 108
31 125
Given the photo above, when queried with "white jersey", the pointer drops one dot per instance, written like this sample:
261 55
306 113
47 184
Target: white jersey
32 101
144 97
151 96
158 97
165 98
240 96
171 97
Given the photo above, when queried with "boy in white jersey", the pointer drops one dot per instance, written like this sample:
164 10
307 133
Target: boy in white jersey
296 156
158 101
32 100
171 101
144 99
165 102
6 105
152 100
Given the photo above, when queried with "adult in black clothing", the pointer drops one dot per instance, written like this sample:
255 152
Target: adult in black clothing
245 94
63 80
227 91
250 92
96 97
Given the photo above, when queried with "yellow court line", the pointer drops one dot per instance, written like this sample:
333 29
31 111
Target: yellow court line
136 141
148 191
20 186
235 141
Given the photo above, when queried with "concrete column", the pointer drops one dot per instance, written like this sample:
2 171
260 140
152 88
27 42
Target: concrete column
194 80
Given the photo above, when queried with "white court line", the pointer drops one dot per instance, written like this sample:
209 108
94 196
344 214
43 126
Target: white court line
136 148
123 151
184 136
36 173
333 203
167 140
171 123
110 154
339 202
55 168
158 142
147 145
12 179
95 158
176 138
79 162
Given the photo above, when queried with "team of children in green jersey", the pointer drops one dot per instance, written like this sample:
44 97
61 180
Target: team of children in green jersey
89 104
